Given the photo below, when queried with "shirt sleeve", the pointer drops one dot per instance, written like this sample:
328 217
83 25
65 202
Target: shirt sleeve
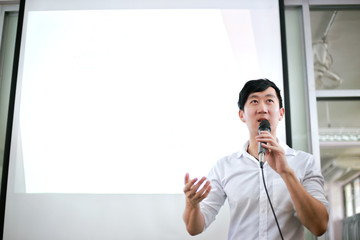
211 205
313 182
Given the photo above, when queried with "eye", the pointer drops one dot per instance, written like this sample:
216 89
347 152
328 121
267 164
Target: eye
270 100
254 101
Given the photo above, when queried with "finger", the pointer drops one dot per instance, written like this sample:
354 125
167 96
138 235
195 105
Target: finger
200 182
198 196
204 188
269 141
265 136
188 187
192 191
265 132
206 192
187 176
272 148
267 146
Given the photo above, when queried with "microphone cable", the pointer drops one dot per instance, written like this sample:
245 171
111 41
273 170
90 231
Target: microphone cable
267 194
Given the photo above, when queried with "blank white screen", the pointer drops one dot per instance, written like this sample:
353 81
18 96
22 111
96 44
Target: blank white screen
128 96
127 101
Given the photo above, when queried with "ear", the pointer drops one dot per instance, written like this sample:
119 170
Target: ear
241 115
282 113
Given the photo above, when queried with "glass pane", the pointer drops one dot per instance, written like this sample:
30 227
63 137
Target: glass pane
349 209
6 62
339 114
357 195
339 136
296 67
336 48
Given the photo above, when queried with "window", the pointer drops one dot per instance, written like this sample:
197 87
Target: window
352 197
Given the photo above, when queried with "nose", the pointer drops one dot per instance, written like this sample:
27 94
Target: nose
262 108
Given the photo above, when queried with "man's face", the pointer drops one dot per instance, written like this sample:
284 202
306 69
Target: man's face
259 106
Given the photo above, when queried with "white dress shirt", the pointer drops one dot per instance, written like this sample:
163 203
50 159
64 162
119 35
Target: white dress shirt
238 178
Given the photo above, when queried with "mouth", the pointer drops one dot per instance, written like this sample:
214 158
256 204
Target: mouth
261 119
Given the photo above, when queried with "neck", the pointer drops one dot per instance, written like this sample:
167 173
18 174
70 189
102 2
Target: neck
253 148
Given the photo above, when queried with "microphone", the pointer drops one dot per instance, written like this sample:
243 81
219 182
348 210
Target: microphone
264 126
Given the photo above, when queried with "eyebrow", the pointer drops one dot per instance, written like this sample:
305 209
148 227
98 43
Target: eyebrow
267 95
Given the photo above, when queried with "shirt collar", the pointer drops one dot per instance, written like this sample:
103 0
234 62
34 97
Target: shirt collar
287 149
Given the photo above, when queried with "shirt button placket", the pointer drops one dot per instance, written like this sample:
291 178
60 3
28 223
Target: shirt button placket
262 209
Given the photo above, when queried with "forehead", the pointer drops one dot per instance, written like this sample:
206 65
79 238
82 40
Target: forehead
267 93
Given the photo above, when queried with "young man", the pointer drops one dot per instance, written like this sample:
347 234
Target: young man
293 180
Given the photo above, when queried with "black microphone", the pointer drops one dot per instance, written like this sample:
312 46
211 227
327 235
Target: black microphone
264 126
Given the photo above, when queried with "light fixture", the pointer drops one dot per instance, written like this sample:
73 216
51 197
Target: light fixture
339 135
324 77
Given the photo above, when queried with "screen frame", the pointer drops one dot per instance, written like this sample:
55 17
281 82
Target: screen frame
11 108
5 170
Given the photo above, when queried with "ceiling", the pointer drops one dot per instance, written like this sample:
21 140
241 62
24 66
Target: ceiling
339 117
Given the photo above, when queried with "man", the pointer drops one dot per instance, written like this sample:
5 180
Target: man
293 180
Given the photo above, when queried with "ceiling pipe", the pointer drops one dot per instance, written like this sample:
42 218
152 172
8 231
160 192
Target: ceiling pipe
329 26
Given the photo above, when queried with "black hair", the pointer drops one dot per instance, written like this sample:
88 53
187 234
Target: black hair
258 85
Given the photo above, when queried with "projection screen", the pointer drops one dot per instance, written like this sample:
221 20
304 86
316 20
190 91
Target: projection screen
117 100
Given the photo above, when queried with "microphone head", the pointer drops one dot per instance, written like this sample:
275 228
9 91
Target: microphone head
264 126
